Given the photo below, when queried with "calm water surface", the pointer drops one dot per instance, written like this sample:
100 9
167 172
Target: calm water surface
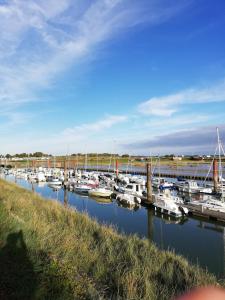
199 241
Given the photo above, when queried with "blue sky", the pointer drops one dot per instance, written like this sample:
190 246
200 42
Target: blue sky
140 76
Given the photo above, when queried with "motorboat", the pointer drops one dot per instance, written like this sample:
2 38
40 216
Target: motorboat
211 204
41 177
191 186
165 203
134 189
128 199
82 189
100 192
54 182
161 183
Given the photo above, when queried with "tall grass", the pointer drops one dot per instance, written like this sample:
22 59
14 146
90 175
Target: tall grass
58 253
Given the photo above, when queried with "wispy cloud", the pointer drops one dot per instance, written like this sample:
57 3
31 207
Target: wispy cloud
90 128
41 39
168 105
76 138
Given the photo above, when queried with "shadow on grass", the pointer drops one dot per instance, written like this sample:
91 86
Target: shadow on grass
17 276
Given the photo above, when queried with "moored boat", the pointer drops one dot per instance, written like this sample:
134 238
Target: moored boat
100 192
165 203
83 189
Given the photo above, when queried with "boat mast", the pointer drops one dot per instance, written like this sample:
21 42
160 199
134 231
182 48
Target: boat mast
220 162
85 161
218 141
97 161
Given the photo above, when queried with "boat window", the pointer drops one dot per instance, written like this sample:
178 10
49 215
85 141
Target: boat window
130 187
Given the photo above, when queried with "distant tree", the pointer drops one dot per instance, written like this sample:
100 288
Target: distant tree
125 155
8 156
38 154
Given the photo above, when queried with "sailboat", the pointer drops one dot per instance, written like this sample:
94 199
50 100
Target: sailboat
213 207
220 181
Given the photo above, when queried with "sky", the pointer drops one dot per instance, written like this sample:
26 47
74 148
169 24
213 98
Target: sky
140 77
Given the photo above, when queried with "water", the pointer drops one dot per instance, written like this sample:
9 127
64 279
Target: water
199 241
194 170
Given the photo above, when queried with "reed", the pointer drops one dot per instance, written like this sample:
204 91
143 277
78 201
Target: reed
48 251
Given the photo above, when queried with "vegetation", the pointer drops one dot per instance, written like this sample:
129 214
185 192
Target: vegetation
24 155
48 251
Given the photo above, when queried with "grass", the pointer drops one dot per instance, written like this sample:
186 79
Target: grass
48 251
105 161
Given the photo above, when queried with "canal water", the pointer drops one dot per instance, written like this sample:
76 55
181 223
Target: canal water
194 170
200 241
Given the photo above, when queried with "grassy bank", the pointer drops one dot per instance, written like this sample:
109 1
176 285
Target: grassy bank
48 251
106 161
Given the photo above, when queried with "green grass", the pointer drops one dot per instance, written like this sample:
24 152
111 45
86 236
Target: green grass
48 251
105 161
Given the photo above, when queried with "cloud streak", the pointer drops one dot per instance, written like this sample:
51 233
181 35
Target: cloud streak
98 126
41 39
168 105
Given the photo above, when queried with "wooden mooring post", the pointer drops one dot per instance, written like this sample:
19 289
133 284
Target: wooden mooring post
65 173
117 168
215 175
149 182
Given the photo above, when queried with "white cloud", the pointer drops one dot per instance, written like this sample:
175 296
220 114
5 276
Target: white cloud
97 126
168 105
41 39
75 138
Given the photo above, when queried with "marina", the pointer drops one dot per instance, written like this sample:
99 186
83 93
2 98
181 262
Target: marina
194 237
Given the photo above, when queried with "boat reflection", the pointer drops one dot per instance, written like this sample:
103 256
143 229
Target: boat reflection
65 198
102 200
133 207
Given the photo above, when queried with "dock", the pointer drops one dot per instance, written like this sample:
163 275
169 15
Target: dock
207 213
144 173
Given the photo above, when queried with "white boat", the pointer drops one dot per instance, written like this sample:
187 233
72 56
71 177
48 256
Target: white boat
161 183
100 192
41 177
165 203
135 189
55 182
82 189
192 187
211 204
128 199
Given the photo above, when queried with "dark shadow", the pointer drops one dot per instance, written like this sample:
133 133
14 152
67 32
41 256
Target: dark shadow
17 276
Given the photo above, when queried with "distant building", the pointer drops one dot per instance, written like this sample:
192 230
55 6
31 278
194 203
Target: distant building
197 157
176 158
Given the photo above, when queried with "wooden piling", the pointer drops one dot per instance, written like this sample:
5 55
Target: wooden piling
215 175
65 171
149 182
117 168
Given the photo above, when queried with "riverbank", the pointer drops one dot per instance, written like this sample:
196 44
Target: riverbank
50 251
104 161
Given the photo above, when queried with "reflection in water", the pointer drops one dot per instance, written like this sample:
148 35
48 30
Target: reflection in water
102 200
32 187
65 198
203 243
150 224
200 241
133 207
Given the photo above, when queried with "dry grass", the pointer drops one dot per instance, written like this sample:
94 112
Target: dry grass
73 257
